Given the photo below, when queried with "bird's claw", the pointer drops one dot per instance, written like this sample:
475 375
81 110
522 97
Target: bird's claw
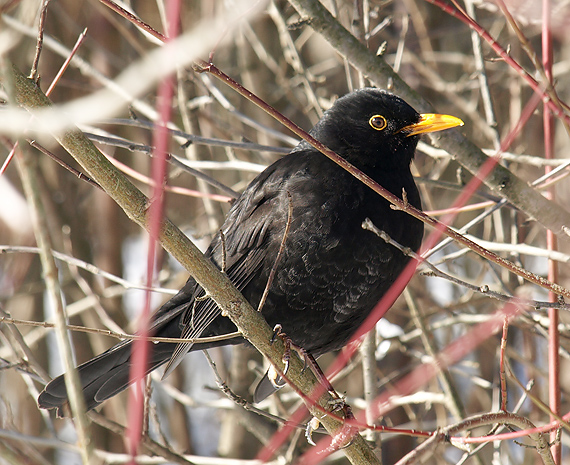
285 365
345 436
278 332
312 426
274 378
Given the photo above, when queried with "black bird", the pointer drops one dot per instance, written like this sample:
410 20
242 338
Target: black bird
331 273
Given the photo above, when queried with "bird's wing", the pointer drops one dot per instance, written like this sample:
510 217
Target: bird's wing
240 248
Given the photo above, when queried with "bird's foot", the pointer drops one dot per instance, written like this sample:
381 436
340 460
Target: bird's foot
308 359
338 403
345 436
278 332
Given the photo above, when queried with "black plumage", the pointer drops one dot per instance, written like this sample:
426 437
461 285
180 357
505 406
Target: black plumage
331 273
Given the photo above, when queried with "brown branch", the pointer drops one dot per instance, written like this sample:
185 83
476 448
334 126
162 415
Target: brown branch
34 75
216 284
119 335
505 418
502 366
398 204
133 19
501 180
63 164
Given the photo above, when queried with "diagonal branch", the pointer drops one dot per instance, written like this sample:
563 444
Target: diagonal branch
500 180
217 285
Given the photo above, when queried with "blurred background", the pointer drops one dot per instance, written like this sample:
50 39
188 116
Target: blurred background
271 50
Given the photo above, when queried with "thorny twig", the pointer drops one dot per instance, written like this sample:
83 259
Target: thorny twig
205 67
484 289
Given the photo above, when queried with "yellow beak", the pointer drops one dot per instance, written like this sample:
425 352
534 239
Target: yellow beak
430 122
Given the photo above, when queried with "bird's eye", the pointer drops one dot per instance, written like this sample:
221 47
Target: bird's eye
378 122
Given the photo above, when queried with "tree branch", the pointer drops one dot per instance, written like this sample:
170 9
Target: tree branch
551 215
217 285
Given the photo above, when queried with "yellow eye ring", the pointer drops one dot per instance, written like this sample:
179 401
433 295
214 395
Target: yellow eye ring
378 122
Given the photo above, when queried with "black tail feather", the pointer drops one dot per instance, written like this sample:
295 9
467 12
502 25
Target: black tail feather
102 377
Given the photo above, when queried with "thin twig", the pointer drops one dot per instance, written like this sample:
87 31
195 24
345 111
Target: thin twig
64 165
454 403
223 386
483 80
29 178
40 40
484 289
279 253
502 366
175 189
447 434
203 66
86 266
370 383
67 61
521 158
134 19
122 336
562 421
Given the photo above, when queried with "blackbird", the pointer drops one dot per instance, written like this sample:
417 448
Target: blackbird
331 271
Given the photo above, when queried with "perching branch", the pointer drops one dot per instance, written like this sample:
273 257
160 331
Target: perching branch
216 284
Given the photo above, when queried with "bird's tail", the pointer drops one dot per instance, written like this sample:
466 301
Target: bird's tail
103 376
108 374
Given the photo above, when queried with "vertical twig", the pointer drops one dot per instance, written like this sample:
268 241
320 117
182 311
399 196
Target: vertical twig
346 64
502 376
370 378
293 57
34 75
482 76
454 403
191 150
551 242
140 349
360 28
72 384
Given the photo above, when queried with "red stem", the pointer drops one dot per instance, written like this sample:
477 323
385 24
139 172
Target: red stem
551 242
140 347
396 289
502 365
499 50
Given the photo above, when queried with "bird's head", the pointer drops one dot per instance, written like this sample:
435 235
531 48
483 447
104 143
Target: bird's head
372 127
